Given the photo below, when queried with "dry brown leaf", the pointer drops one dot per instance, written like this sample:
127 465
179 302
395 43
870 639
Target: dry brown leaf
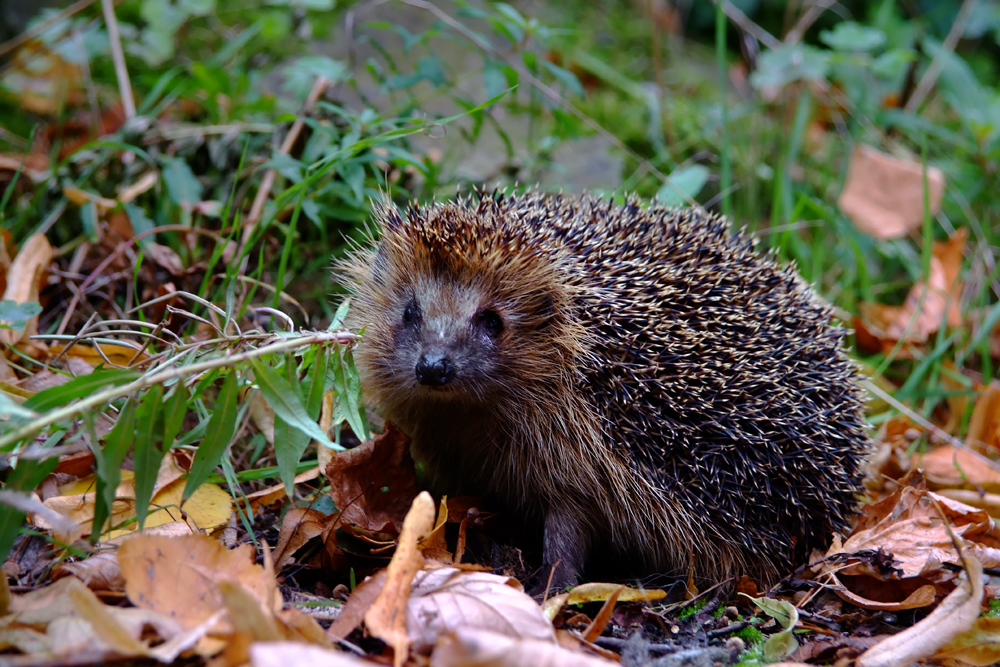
23 282
43 81
358 477
907 524
883 194
179 576
984 501
32 165
66 617
283 654
208 507
954 616
479 648
145 182
984 425
386 618
299 525
928 305
95 354
276 492
950 466
979 646
99 572
447 599
360 601
922 597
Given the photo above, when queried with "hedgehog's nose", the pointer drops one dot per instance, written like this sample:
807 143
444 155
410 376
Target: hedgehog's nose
435 369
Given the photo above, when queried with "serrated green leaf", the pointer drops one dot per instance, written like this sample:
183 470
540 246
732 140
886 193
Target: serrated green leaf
18 314
687 181
148 453
347 384
182 185
109 463
286 403
218 433
85 385
781 644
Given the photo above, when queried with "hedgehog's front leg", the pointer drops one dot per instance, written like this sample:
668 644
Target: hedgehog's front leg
565 547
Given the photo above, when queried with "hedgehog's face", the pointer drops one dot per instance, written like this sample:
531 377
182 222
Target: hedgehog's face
449 340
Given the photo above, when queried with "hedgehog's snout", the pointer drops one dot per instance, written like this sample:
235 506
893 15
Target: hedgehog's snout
435 369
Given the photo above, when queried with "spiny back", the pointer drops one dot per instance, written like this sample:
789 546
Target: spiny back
646 350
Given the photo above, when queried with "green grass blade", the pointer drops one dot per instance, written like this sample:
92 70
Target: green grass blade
218 433
109 464
173 415
148 453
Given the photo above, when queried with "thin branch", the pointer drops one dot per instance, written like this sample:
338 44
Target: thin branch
39 29
286 146
118 56
930 77
734 14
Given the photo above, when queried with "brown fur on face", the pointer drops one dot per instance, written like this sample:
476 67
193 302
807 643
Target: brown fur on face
652 387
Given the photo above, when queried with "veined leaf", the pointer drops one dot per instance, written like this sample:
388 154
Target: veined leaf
347 384
290 444
54 397
218 434
286 403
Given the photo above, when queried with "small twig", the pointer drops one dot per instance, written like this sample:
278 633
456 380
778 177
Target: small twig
39 29
286 146
805 21
734 14
118 56
930 77
227 361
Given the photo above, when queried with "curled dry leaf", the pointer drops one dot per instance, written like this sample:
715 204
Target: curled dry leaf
598 592
448 599
283 654
883 195
386 618
954 616
23 278
298 527
908 525
359 478
479 648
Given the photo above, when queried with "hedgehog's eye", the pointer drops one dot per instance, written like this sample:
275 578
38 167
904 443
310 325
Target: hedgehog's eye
491 323
410 312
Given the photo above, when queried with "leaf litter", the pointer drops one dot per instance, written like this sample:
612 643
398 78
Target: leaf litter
413 596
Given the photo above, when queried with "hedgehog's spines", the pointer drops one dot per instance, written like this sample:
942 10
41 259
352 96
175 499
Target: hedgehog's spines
684 395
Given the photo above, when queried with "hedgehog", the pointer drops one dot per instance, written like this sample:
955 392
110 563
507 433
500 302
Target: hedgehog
636 381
